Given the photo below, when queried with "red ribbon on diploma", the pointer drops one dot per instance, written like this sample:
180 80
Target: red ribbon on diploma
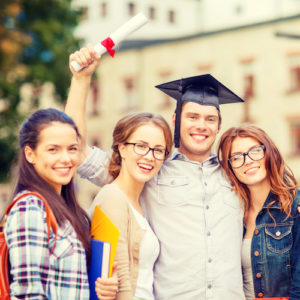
108 44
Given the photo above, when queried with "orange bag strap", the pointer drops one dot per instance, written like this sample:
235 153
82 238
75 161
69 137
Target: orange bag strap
50 219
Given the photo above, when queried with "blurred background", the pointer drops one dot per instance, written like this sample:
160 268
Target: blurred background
252 46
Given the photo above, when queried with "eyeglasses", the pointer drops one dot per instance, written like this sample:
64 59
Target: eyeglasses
255 153
142 149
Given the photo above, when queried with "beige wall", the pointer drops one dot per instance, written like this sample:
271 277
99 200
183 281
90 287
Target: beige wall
223 55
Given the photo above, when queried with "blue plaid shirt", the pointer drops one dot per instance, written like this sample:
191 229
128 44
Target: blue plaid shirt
35 273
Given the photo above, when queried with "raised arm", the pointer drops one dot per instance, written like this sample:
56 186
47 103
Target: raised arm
80 84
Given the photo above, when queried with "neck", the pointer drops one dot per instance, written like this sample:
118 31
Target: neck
194 157
131 188
259 194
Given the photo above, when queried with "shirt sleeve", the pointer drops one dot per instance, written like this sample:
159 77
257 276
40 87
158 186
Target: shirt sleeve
27 241
295 254
115 207
94 167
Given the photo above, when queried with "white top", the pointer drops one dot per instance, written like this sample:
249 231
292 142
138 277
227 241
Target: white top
198 221
247 269
149 251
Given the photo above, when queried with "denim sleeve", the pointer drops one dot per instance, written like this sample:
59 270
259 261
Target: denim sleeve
295 257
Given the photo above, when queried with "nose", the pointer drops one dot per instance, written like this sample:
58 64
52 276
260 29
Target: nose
150 154
201 123
65 157
248 160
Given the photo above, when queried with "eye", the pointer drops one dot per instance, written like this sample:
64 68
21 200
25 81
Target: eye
74 149
192 117
159 150
236 157
141 146
52 150
256 150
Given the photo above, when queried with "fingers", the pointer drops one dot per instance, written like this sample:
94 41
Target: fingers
106 289
85 57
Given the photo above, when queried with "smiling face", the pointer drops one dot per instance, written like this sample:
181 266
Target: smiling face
56 155
252 173
198 130
137 167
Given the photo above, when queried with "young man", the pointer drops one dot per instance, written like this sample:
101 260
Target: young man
189 204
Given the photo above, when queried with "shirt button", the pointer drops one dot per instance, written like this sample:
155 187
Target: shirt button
260 295
205 183
258 275
208 234
210 260
256 232
209 286
256 253
278 233
207 207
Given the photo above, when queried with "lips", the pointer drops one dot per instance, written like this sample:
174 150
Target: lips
252 170
145 167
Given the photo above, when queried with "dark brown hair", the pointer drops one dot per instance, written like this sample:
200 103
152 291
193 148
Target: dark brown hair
282 180
126 127
64 206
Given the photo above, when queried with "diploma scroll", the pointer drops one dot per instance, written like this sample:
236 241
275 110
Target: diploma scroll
116 37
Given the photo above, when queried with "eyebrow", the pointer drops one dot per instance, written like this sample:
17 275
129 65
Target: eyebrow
55 145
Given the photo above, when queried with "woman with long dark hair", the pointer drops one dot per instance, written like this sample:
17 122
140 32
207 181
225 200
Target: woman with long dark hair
267 188
49 156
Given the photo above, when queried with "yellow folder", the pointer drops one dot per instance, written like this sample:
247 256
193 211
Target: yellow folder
103 229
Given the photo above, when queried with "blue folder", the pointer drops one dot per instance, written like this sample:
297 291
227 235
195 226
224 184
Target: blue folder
99 266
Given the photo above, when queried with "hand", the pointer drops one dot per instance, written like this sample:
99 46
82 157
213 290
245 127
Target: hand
86 57
106 289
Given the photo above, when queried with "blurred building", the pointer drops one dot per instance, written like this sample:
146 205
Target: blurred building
175 18
258 61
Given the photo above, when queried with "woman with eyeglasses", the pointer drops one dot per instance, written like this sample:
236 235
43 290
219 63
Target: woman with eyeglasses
267 188
141 143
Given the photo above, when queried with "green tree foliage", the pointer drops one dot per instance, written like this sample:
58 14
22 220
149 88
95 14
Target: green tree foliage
36 38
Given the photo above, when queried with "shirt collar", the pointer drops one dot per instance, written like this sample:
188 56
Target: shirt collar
271 197
211 160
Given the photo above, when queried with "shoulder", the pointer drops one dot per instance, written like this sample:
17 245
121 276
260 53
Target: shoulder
111 198
296 204
27 202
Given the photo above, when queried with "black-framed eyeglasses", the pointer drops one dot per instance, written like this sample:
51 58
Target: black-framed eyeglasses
255 153
142 149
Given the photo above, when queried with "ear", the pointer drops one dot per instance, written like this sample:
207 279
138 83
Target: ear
219 127
122 148
173 120
29 154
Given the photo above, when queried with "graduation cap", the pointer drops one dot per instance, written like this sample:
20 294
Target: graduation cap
202 89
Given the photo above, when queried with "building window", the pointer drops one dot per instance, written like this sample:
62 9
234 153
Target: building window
84 13
152 13
103 9
295 136
294 71
131 9
130 93
95 98
248 86
166 101
172 16
295 78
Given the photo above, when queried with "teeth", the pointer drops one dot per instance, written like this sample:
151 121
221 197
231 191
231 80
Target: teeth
146 166
199 137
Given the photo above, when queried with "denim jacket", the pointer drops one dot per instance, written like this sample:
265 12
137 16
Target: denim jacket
275 251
